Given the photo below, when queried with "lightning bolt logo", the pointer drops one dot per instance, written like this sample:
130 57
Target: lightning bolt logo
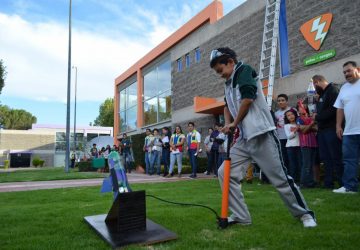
319 27
316 29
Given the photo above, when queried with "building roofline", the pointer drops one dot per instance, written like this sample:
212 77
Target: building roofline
212 13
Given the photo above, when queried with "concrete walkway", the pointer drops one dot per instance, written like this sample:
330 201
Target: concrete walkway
132 178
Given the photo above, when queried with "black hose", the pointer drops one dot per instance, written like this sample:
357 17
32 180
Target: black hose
185 204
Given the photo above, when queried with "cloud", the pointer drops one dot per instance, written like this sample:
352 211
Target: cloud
36 59
35 53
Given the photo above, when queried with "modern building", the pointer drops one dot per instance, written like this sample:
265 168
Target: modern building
45 141
173 83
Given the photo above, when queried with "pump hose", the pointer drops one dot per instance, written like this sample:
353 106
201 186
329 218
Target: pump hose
185 204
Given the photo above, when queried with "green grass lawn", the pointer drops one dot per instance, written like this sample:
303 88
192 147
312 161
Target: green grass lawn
47 174
53 219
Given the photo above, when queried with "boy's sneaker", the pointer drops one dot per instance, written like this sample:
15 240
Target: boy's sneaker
232 221
308 220
343 190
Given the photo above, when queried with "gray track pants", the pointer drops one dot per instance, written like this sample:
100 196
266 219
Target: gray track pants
265 150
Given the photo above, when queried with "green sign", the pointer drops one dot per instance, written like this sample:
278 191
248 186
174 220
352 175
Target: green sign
319 57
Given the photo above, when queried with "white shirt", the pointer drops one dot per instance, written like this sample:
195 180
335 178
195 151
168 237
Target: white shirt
279 116
292 136
349 100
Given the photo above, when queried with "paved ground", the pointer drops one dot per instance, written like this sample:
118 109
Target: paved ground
133 178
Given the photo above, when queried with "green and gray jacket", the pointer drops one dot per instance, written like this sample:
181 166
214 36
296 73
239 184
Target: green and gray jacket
244 83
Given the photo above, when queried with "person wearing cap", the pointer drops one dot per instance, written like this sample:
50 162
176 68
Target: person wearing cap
246 108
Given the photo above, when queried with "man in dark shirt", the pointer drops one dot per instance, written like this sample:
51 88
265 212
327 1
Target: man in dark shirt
329 144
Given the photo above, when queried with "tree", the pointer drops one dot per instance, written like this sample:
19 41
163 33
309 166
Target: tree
16 118
106 114
2 75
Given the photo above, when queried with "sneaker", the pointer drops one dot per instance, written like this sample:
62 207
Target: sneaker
231 221
169 176
206 172
192 177
308 220
343 190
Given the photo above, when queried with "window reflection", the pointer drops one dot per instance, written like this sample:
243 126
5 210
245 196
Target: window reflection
165 106
128 108
131 118
150 111
157 91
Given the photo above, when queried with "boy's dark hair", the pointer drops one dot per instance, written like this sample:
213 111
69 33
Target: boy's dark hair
148 130
227 53
191 123
292 111
284 96
155 129
352 63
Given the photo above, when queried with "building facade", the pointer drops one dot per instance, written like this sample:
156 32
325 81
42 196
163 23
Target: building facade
45 141
173 84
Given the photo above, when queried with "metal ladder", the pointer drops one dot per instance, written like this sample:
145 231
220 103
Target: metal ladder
269 46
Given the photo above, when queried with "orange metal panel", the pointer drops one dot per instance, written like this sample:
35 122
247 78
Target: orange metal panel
207 105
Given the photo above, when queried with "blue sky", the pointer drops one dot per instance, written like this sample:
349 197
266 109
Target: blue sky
108 37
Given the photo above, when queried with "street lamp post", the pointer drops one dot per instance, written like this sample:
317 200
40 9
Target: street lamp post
67 152
76 70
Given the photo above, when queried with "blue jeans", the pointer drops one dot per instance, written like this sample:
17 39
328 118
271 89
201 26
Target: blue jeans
209 163
214 153
221 159
308 161
178 158
147 162
351 155
295 162
166 159
193 161
330 155
155 159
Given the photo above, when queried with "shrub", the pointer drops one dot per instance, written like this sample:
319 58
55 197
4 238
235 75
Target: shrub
85 166
36 161
6 164
41 163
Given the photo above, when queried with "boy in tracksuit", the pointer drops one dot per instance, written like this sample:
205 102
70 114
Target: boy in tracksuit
247 108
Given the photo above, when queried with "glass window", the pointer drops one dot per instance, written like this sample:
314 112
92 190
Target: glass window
187 60
197 55
123 99
165 106
60 146
164 76
179 65
150 111
131 118
150 84
157 104
122 121
128 106
132 95
60 136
